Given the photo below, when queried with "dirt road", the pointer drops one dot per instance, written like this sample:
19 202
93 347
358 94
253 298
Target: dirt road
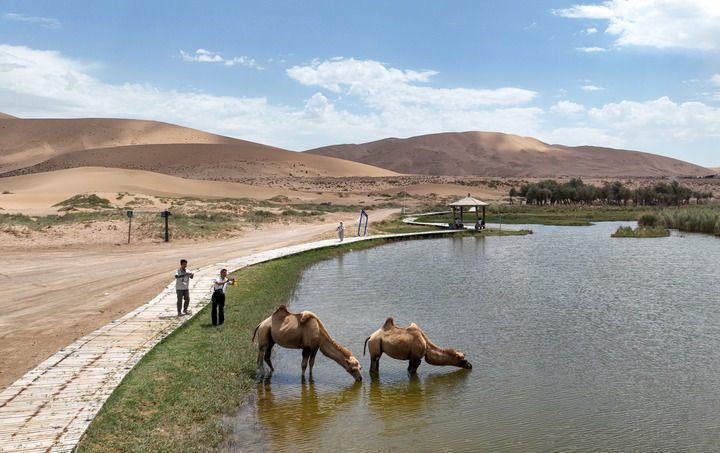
52 296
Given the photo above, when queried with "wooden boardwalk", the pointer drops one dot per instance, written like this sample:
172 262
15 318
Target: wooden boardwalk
49 408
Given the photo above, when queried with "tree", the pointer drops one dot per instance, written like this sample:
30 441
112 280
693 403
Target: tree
513 193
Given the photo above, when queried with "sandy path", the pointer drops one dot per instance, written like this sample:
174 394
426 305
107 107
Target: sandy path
53 296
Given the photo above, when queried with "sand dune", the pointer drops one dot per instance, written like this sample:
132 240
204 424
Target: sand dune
222 162
27 142
37 193
32 146
504 155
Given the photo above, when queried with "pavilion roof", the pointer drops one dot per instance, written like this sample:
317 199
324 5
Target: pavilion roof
469 201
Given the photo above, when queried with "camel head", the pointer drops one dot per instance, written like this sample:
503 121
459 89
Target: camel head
461 361
353 367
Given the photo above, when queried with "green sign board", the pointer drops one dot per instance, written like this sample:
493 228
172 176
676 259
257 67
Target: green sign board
129 214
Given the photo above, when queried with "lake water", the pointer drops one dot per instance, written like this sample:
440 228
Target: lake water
579 342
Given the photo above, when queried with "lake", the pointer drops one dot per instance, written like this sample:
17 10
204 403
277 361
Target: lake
579 342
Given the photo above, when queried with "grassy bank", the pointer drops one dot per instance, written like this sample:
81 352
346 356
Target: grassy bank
396 226
176 396
549 215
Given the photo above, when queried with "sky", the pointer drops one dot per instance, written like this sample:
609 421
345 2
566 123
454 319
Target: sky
633 74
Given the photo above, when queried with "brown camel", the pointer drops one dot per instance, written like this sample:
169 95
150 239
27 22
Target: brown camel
409 343
301 331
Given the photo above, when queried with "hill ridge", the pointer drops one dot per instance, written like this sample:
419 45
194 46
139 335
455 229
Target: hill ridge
42 145
479 153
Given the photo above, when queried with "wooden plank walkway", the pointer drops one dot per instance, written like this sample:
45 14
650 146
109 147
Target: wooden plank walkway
50 407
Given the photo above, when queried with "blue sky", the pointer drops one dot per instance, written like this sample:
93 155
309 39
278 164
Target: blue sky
634 74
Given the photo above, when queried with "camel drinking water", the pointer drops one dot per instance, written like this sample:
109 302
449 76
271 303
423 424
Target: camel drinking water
409 343
301 331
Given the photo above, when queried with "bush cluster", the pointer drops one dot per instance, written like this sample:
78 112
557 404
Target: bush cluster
577 192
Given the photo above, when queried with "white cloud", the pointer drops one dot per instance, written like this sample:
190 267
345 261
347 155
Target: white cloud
382 87
45 22
567 108
691 24
715 79
591 88
591 31
591 49
207 56
661 119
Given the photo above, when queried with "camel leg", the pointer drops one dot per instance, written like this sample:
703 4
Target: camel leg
313 353
305 357
261 352
375 363
414 364
268 351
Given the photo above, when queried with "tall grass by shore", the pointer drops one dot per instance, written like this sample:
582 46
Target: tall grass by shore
693 220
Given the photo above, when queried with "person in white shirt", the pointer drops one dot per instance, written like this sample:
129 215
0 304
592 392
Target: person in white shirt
341 231
182 287
217 314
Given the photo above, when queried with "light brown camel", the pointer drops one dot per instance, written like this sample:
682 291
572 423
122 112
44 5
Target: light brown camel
301 331
409 343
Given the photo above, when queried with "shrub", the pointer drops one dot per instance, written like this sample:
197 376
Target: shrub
649 220
91 201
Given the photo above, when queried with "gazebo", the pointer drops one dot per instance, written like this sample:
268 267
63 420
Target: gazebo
466 204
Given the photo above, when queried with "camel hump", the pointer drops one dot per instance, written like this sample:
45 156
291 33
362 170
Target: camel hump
306 316
282 309
389 323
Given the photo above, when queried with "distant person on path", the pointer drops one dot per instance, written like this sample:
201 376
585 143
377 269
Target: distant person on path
182 287
341 231
217 314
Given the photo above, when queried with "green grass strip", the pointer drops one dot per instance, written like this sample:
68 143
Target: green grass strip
176 396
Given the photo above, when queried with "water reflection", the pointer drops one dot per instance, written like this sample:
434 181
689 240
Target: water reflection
403 403
287 419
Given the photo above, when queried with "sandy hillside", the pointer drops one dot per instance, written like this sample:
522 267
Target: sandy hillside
42 145
220 162
27 142
504 155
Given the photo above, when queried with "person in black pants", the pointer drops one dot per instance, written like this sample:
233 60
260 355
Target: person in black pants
218 298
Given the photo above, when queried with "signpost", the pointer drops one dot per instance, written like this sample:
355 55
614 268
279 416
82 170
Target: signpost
130 216
166 214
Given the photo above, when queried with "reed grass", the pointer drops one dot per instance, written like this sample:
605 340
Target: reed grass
705 220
